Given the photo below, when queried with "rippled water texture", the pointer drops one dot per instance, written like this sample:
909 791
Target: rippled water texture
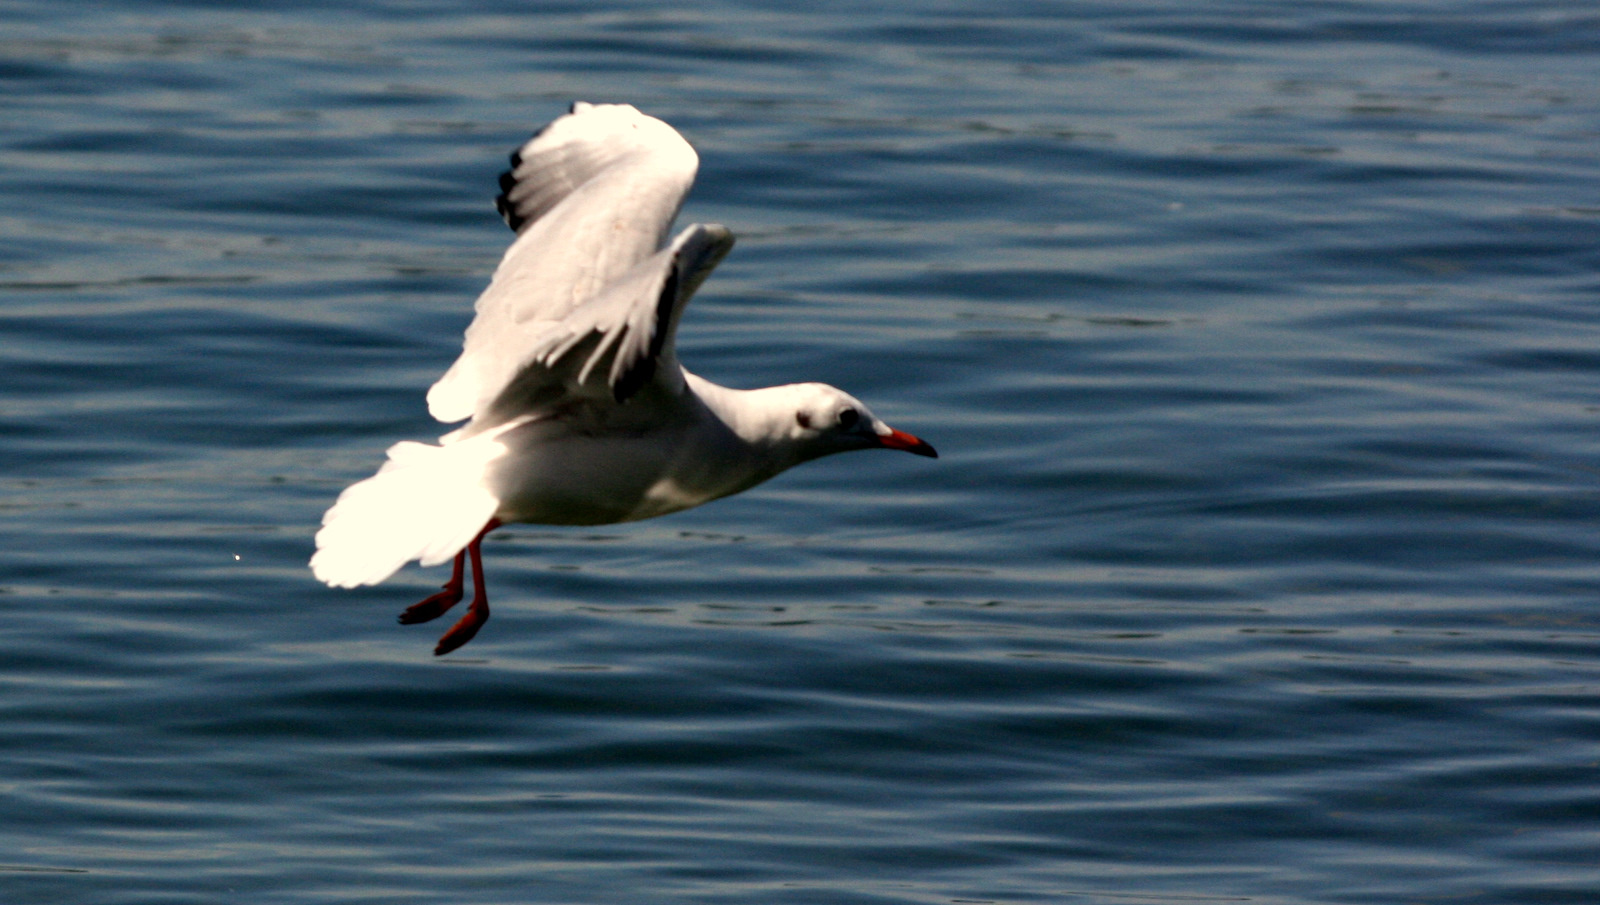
1259 340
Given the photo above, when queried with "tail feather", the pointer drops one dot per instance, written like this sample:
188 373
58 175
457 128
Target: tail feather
426 503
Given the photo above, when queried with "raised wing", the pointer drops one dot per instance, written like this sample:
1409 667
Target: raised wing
608 348
591 197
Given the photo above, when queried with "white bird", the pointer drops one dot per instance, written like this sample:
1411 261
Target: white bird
577 411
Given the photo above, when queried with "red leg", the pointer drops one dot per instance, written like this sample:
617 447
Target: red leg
478 610
435 606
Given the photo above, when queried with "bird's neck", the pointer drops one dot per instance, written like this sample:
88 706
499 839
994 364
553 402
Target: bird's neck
763 420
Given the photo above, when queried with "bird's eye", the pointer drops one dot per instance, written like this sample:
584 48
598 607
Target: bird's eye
802 419
848 418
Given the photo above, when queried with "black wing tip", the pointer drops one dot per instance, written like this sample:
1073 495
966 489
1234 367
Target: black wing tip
640 372
508 179
633 379
502 201
666 303
508 213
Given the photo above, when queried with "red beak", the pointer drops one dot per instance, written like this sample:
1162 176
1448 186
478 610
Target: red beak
901 440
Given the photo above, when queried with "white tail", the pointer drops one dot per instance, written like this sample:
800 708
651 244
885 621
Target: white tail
426 503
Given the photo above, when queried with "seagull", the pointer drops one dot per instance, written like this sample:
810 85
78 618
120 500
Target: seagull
576 409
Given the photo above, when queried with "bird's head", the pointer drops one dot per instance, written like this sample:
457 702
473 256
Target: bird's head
828 420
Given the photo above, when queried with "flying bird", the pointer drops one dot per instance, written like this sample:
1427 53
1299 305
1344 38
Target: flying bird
576 409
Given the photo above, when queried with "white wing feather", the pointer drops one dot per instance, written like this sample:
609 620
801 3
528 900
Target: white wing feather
605 349
583 306
592 195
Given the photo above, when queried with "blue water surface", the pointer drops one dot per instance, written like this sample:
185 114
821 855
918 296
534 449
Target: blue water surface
1260 341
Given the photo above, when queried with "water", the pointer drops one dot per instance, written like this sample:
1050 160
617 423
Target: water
1259 342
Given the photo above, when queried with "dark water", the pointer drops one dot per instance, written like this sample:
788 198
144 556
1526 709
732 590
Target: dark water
1261 342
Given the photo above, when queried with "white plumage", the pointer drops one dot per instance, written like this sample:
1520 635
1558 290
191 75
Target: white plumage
577 411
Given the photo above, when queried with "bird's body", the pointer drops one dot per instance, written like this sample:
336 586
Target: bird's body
599 465
577 410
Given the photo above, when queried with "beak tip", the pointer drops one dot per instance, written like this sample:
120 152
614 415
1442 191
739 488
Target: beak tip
904 441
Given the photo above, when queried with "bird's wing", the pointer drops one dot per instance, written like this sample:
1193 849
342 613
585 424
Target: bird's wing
610 347
591 197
